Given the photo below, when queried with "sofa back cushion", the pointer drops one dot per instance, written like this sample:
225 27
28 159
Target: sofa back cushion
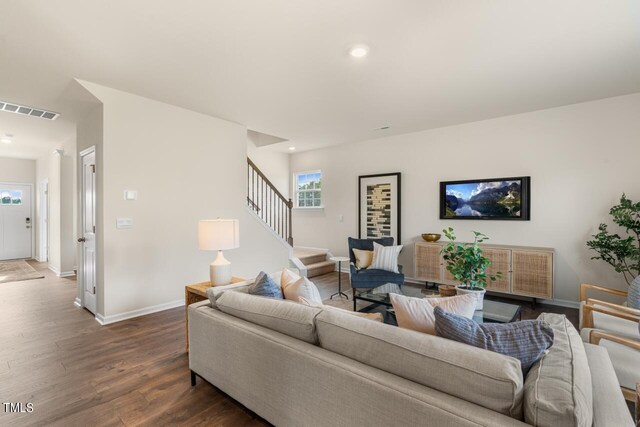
558 389
287 317
485 378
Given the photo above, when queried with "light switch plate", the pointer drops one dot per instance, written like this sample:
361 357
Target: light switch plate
130 195
124 223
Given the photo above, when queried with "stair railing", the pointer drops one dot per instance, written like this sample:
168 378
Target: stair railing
268 203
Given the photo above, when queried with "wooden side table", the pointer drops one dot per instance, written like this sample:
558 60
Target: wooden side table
198 292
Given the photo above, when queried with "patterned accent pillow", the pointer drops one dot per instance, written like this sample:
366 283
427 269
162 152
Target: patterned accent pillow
385 257
265 286
527 340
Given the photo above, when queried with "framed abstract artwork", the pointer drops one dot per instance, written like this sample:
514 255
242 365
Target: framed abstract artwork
379 206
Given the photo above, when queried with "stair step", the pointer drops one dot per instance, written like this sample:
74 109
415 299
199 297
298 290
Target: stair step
313 259
320 268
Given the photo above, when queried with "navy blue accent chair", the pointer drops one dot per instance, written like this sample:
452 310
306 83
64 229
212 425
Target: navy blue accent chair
371 278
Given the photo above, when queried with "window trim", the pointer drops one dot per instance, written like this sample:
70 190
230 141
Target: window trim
295 189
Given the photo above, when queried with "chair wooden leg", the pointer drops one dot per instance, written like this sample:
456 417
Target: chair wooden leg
638 405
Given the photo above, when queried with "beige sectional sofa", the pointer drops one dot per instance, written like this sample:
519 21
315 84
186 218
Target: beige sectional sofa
295 365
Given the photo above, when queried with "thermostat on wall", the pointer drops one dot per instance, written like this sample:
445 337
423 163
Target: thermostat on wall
130 195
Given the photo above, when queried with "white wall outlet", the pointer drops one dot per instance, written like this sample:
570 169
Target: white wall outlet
130 195
124 223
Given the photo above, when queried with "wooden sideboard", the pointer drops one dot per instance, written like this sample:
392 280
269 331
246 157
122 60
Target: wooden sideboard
526 271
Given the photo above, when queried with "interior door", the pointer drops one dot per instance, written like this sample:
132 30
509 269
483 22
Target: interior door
15 221
88 238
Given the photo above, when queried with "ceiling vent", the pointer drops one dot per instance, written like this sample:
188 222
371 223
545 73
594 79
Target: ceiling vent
27 111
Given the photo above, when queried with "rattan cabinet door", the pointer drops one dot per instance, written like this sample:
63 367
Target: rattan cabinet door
500 262
427 262
532 273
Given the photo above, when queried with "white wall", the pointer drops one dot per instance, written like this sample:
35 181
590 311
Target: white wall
581 158
21 171
185 167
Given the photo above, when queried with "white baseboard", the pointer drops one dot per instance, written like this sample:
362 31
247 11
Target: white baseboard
41 259
77 302
62 273
113 318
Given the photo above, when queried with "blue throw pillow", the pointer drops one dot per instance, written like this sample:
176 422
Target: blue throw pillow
265 286
526 340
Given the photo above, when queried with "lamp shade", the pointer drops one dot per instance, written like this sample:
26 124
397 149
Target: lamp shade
218 234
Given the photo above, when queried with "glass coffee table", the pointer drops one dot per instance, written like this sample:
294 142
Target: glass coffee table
493 311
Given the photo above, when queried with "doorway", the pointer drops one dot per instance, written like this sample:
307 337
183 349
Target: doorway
16 227
88 233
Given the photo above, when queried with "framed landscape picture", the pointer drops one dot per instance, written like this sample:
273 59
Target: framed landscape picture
379 206
496 198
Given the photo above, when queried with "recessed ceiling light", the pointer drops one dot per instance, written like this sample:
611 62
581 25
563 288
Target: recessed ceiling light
359 51
292 148
6 140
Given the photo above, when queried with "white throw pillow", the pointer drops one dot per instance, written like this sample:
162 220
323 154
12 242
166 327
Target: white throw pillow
385 257
294 287
363 258
417 313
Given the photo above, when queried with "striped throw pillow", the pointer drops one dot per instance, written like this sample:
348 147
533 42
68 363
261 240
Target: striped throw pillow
527 340
385 257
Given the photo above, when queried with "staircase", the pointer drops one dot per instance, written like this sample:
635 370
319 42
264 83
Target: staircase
315 260
270 206
264 199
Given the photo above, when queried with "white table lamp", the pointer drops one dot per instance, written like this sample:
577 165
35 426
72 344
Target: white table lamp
219 235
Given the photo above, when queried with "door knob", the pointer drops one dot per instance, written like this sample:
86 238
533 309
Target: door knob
82 239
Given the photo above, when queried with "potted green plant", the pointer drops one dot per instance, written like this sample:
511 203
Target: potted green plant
466 263
622 253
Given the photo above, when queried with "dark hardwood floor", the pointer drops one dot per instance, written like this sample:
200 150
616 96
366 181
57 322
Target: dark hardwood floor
78 373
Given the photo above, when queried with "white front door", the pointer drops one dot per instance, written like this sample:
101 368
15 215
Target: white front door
15 221
88 238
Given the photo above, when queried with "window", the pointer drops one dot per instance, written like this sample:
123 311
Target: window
10 197
308 187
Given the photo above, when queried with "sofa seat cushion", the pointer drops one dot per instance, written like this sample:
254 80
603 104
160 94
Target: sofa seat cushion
558 389
287 317
479 376
375 274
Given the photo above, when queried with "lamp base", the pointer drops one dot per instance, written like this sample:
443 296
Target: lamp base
220 271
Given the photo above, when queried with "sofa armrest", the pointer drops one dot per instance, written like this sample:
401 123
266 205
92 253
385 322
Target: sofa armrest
609 406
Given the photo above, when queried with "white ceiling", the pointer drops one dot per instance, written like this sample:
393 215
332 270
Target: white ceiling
282 68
